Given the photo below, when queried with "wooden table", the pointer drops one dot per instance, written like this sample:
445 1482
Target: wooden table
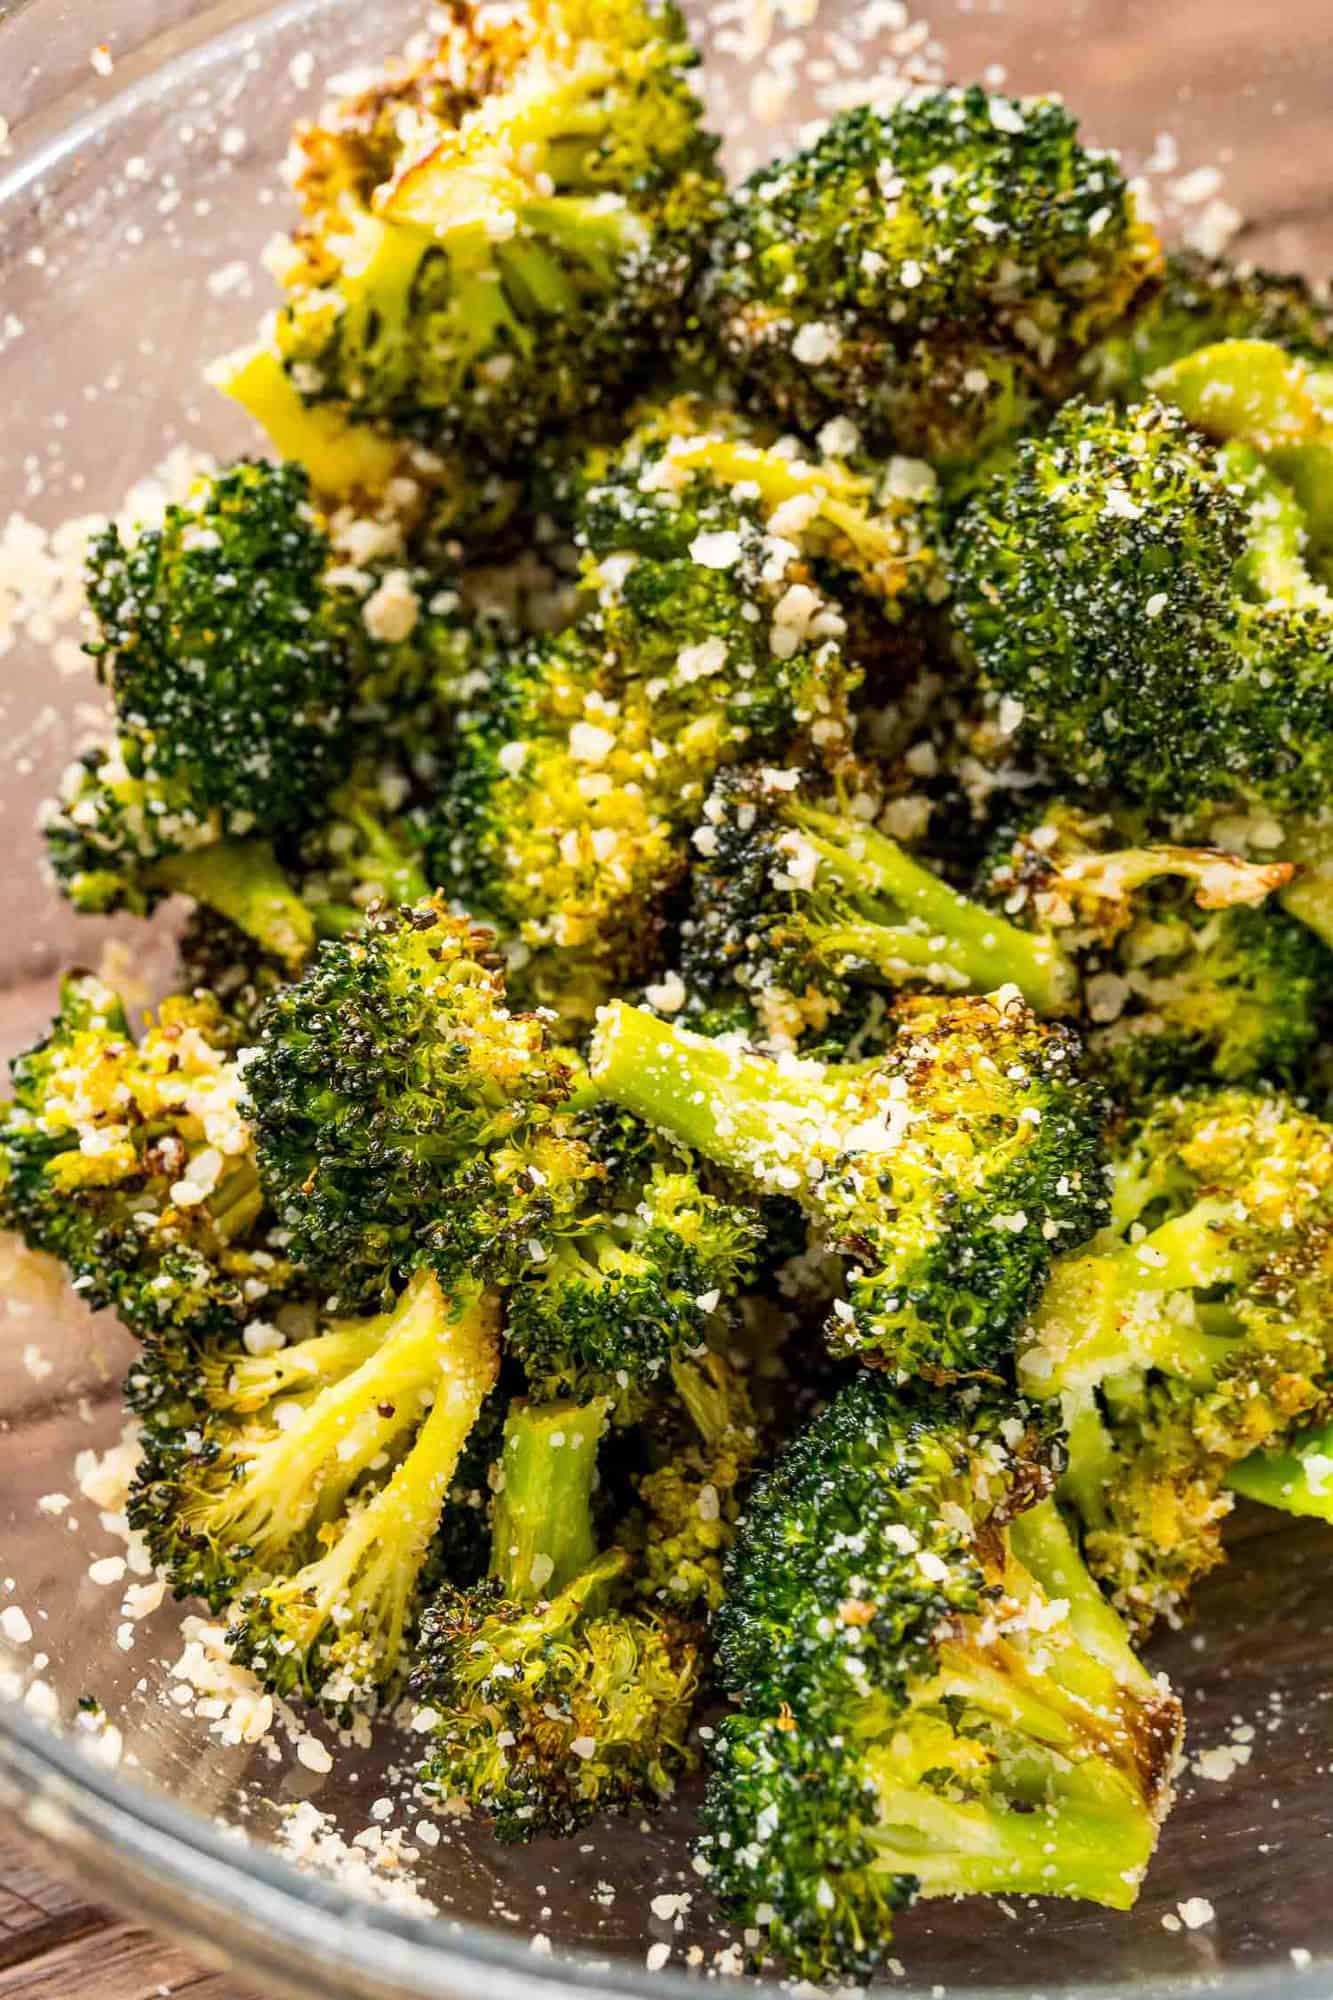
55 1946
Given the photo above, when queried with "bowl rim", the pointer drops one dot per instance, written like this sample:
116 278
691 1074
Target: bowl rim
178 1871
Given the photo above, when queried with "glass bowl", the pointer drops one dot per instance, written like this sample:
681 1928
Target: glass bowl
138 185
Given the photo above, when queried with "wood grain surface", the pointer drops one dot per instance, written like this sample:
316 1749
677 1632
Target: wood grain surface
56 1946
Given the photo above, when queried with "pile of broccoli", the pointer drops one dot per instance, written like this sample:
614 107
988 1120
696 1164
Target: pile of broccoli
743 1114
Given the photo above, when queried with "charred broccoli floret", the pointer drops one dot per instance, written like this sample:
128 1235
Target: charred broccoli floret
1138 602
496 236
553 1698
944 1170
304 1485
1193 1331
935 1698
793 907
932 274
576 780
1185 967
131 1163
403 1114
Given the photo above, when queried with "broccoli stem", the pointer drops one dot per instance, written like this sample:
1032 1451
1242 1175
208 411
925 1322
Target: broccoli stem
542 1534
756 1117
901 917
249 1381
304 1472
1298 1480
372 1566
1043 1544
242 881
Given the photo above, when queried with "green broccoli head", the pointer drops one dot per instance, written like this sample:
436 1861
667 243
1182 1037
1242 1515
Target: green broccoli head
935 1699
1200 301
933 273
304 1483
403 1113
634 1282
944 1170
230 659
496 237
1138 603
1187 969
552 1698
132 1164
796 908
1193 1331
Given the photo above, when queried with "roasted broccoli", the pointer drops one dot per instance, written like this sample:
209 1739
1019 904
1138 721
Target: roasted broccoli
932 274
1185 967
403 1114
1193 1331
131 1163
935 1699
303 1484
945 1170
552 1698
793 907
1138 602
1297 1477
496 236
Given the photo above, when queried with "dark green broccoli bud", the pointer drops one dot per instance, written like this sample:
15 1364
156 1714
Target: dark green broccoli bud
229 657
307 1483
1138 603
945 1170
633 1284
932 274
936 1700
1193 1331
1202 300
131 1163
798 906
552 1700
1186 969
706 1441
498 236
403 1114
1297 1478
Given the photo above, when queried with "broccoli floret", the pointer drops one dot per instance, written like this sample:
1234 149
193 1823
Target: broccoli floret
690 467
304 1486
1139 603
219 956
365 852
935 1699
575 784
933 274
130 1162
553 1700
229 657
1195 1330
633 1283
944 1169
1202 300
403 1113
706 1441
496 237
1186 968
795 907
